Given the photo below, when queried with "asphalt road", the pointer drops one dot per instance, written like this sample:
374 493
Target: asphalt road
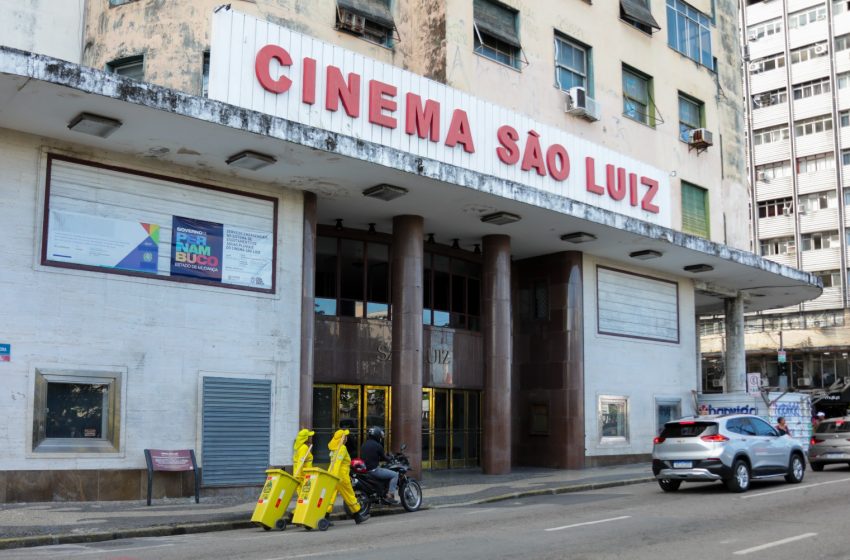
773 520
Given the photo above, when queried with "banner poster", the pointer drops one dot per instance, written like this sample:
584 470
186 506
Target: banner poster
99 241
247 257
196 248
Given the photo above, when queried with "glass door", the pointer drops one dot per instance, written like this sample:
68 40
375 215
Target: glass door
427 429
376 412
440 458
348 416
458 416
324 423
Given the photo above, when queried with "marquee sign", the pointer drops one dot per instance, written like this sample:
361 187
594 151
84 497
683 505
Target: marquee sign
271 69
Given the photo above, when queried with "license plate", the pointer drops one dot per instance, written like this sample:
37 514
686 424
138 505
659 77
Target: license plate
834 454
682 464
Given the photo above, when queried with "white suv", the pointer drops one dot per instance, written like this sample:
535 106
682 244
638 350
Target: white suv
733 448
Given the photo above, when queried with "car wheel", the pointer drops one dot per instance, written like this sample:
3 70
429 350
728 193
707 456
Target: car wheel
796 470
740 481
817 467
669 485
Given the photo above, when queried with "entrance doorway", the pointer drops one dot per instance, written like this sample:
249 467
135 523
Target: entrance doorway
351 407
451 428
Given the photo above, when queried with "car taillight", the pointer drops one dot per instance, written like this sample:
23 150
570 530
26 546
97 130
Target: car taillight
815 440
715 438
659 439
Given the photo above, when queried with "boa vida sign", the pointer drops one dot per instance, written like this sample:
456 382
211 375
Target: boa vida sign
268 68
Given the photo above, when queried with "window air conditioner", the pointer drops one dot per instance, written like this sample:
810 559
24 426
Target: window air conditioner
581 104
700 138
756 102
820 49
351 21
753 36
761 176
754 66
807 381
717 383
786 210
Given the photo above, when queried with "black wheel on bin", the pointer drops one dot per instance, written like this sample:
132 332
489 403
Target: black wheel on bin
266 528
411 496
323 524
280 524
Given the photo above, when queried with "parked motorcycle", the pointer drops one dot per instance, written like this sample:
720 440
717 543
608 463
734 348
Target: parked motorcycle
371 491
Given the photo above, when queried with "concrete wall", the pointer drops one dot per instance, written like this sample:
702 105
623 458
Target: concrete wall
162 336
641 370
43 26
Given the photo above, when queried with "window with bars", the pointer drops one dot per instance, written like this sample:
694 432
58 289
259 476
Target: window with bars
572 63
817 162
132 67
689 32
764 29
819 201
814 125
695 210
767 64
496 33
769 98
637 96
777 246
770 135
809 52
691 115
809 89
803 18
819 240
776 207
371 20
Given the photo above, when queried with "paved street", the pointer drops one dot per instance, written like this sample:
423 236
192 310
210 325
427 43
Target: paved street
774 520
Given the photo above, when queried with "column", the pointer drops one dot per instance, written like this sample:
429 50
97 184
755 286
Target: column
308 313
496 325
407 263
575 362
736 355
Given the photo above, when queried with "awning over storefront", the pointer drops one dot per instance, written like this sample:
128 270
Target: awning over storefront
41 95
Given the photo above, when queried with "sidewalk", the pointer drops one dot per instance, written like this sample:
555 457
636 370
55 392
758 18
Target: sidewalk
43 523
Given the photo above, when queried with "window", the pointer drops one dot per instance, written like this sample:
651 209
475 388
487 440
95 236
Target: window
352 278
813 125
819 201
819 240
691 115
132 67
205 75
777 246
847 198
495 32
613 419
808 89
807 16
809 52
371 20
844 119
695 210
572 63
119 2
689 33
76 411
638 14
765 29
637 96
770 135
840 7
830 278
818 162
769 98
451 292
842 42
776 207
774 170
666 410
767 64
843 80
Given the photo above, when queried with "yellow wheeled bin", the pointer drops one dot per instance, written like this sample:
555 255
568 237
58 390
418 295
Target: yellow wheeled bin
318 489
277 493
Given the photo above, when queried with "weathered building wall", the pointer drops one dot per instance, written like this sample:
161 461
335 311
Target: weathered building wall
43 26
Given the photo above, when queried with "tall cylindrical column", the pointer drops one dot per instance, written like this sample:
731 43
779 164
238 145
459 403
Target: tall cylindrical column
407 263
496 324
736 354
308 313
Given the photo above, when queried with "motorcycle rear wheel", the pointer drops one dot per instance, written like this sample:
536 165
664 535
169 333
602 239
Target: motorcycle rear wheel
411 495
363 500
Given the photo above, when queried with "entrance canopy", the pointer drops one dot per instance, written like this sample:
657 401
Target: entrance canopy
41 95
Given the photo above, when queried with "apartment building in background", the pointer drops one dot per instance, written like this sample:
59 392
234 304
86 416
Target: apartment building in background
488 227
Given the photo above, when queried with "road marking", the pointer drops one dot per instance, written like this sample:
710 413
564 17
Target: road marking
111 550
776 543
476 512
792 488
588 523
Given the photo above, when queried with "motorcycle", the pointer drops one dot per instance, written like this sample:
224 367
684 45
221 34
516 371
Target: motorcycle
371 491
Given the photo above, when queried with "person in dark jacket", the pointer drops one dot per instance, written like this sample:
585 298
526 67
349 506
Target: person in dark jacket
372 452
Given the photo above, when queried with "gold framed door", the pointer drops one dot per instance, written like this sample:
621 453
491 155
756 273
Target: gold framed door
427 429
440 429
376 412
349 412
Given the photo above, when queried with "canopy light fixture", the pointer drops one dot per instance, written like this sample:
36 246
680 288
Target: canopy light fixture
87 123
431 238
250 160
338 225
645 255
695 268
385 192
477 249
500 218
578 237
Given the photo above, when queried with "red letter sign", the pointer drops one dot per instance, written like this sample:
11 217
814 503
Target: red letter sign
261 68
338 91
378 103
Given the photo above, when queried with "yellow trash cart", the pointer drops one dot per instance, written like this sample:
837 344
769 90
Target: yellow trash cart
277 493
318 489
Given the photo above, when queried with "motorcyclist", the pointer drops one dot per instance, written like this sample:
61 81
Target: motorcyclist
339 467
372 452
302 456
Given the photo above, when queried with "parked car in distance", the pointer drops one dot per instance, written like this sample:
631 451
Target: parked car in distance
830 443
732 448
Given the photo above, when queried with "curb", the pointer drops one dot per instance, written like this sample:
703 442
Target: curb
240 523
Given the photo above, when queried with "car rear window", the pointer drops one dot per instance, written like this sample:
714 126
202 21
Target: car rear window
688 429
836 427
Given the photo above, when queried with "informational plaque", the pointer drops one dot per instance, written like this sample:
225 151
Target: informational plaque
173 460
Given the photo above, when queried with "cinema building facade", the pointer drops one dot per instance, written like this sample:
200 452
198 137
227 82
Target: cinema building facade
325 239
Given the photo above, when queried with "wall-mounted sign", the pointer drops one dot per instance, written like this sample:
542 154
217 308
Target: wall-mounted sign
271 69
5 352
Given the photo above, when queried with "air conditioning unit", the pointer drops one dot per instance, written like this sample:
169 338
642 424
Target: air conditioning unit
791 251
581 104
801 211
787 210
754 66
700 138
804 381
351 21
820 49
757 102
717 383
753 35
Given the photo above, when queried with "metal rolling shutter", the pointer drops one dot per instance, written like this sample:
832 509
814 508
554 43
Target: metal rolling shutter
236 430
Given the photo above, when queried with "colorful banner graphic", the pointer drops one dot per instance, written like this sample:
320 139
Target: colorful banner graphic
5 352
107 242
196 248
